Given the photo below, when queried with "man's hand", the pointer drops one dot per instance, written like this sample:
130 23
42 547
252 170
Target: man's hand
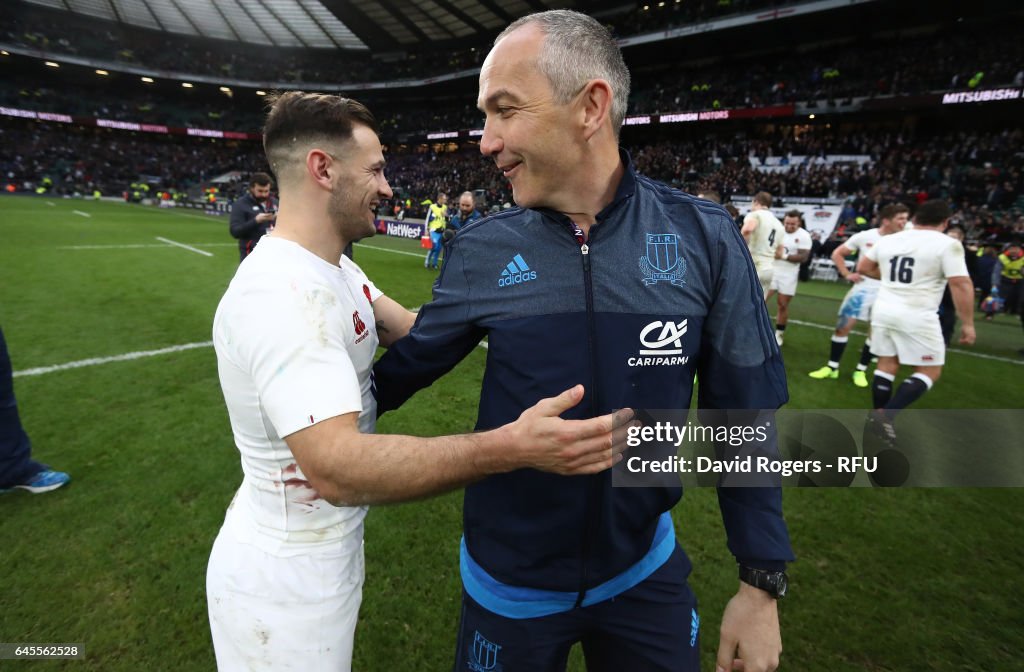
265 217
750 640
541 440
967 335
854 277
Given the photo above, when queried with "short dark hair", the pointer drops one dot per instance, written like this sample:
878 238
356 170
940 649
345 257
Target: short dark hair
763 198
932 213
710 195
891 210
957 227
261 179
298 118
796 213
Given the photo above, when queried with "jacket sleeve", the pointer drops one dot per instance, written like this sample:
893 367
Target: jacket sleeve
741 368
243 220
442 336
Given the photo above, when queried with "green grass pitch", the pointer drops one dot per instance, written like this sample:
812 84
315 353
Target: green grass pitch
886 579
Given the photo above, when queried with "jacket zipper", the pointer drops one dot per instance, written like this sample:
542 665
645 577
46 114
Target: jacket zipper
594 483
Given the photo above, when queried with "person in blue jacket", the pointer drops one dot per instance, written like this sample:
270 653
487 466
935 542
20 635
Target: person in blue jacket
571 286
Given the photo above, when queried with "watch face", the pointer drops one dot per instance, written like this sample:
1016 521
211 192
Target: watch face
782 586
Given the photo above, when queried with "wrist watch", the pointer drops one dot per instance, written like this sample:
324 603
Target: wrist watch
773 583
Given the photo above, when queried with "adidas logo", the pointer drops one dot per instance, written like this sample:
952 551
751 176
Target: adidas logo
517 272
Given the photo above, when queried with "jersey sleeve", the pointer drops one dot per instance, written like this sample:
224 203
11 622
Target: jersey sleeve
871 252
954 262
803 241
854 242
291 340
357 273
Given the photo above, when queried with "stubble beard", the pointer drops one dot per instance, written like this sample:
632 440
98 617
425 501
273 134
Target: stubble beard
350 226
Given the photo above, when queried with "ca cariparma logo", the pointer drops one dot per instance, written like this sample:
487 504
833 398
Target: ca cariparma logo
662 261
663 344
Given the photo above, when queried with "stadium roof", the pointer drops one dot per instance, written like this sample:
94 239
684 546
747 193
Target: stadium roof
328 24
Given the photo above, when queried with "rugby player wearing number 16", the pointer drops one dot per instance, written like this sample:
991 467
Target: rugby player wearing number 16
914 266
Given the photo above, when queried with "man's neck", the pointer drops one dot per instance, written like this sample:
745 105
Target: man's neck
600 187
314 233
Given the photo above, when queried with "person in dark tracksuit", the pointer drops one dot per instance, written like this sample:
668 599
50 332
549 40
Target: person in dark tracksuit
595 265
251 215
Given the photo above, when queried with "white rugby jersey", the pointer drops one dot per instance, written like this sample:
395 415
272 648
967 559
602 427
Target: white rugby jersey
765 238
861 243
791 244
295 341
914 266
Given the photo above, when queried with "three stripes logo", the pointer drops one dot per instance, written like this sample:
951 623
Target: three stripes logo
516 272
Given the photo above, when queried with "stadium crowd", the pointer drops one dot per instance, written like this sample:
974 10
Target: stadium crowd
981 173
974 57
39 28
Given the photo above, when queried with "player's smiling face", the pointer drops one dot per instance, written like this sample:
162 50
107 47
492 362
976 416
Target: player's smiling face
359 186
527 133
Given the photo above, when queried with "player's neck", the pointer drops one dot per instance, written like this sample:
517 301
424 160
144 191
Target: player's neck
309 228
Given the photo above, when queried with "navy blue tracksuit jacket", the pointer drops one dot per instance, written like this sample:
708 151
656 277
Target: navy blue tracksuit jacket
556 313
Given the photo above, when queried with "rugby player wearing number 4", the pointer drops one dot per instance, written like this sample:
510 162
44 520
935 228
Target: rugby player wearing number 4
763 232
857 303
796 248
914 267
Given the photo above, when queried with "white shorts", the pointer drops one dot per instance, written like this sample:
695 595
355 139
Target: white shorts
858 301
764 275
269 612
785 283
922 346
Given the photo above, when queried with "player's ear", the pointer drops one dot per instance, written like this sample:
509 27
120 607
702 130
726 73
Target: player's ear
319 167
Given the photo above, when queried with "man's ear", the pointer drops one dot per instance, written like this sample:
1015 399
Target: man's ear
597 106
320 167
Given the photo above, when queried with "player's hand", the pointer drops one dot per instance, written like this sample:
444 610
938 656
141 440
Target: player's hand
265 217
750 640
542 440
967 335
854 277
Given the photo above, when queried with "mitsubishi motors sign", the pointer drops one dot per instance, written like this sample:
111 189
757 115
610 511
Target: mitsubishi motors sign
987 96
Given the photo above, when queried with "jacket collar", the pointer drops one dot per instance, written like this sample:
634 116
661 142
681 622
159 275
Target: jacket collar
624 191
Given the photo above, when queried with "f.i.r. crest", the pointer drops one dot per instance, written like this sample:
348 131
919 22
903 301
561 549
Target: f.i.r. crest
485 655
662 261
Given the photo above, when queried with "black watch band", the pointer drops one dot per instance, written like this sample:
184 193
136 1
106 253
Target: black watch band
774 583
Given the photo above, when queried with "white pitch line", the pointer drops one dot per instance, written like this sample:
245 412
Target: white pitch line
979 355
116 358
83 214
138 245
110 247
419 255
50 204
185 247
205 218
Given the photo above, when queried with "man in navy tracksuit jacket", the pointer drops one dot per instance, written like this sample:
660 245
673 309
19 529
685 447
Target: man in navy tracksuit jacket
566 289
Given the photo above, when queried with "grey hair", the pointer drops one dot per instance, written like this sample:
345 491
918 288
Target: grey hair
577 49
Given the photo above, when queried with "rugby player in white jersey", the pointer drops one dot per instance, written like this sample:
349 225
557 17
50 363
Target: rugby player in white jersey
763 232
295 336
857 303
914 267
796 248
